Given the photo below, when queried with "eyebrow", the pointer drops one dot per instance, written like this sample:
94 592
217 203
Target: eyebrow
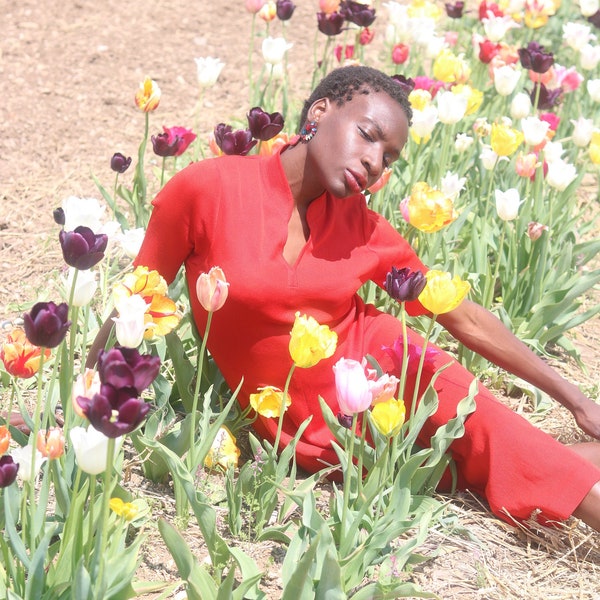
381 133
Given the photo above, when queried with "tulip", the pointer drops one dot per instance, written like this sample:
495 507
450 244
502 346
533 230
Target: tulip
268 11
274 49
507 204
127 510
19 356
455 10
451 107
58 214
330 23
86 285
87 384
534 130
253 6
8 471
488 158
212 289
593 89
119 162
450 68
497 26
263 126
473 96
400 54
404 286
131 241
268 400
488 50
183 136
423 123
576 35
553 151
82 248
209 69
535 230
535 58
91 449
23 456
428 209
274 145
520 106
382 388
443 292
4 439
504 139
147 98
130 325
589 8
506 79
285 9
310 342
358 13
388 417
560 174
352 387
406 83
143 282
127 368
526 164
546 99
51 443
589 57
594 149
87 212
582 131
114 411
396 353
163 145
463 142
233 142
348 51
223 452
366 36
46 324
329 6
452 185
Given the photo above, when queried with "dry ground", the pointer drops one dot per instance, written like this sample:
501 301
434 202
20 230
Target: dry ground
68 72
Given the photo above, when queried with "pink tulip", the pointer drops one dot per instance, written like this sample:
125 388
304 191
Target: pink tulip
352 386
253 6
212 289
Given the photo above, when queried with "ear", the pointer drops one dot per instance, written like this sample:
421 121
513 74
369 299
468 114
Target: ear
318 109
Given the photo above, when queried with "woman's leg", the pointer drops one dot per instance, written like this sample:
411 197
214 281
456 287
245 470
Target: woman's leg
589 509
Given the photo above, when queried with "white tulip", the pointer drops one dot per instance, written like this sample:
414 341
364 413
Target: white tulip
424 121
589 7
274 49
463 142
451 107
452 185
496 27
553 151
131 241
507 204
582 131
22 456
86 212
91 449
488 158
209 69
593 88
576 35
506 79
86 285
589 57
520 106
560 174
129 325
534 130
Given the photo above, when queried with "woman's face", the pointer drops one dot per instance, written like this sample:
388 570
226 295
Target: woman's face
355 142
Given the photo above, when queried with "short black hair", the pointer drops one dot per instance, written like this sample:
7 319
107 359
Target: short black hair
341 84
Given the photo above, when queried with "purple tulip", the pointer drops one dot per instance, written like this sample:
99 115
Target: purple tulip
395 352
127 368
82 248
46 324
406 83
119 163
58 214
264 126
165 146
330 24
357 13
455 11
404 286
285 9
546 99
345 420
595 19
8 470
238 142
114 411
535 58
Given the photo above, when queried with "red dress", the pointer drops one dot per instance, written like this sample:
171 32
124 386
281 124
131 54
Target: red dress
233 212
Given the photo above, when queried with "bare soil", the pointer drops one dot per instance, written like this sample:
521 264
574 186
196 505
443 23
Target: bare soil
68 71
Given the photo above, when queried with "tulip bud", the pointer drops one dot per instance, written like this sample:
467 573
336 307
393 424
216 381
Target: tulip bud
404 286
51 443
46 324
119 163
8 471
82 248
535 230
352 386
212 289
285 9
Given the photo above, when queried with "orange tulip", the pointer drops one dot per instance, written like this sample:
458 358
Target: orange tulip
147 98
20 357
51 443
4 439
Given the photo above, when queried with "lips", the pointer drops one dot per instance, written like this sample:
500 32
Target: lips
355 181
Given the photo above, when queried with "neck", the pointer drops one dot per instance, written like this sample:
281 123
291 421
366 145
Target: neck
298 173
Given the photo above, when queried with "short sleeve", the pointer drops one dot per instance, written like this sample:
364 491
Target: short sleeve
182 219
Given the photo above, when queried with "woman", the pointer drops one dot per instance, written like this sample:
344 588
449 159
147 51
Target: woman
292 232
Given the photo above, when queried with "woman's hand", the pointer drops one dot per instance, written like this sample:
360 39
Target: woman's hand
587 416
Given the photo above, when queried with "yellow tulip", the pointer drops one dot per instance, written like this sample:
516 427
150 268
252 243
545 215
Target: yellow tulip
429 209
147 98
223 452
443 292
310 342
267 402
419 99
424 9
474 97
388 417
142 281
127 510
505 140
450 68
594 148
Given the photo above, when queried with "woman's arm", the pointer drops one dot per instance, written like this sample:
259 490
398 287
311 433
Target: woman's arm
479 330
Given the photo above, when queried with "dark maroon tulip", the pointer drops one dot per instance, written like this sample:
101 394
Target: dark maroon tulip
114 411
119 163
345 420
406 83
396 353
264 126
357 13
127 368
285 9
546 99
455 10
82 248
165 146
58 214
8 470
595 19
404 286
535 58
330 24
238 142
46 324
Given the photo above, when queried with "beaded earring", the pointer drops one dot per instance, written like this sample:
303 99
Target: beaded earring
308 131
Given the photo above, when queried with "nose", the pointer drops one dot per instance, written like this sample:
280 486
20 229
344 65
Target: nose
372 161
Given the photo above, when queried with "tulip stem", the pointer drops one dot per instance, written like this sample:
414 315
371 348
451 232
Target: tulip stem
72 338
489 289
420 368
91 514
348 477
282 408
404 367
